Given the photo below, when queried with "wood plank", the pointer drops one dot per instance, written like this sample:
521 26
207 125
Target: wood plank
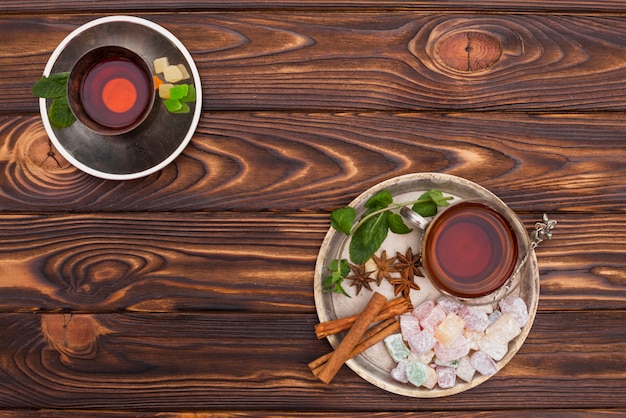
267 61
50 6
261 262
171 362
317 161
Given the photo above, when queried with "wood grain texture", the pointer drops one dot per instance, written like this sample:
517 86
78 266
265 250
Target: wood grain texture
225 362
172 262
112 6
319 161
294 61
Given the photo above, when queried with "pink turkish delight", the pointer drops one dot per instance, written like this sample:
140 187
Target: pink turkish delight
474 319
421 342
446 377
516 307
423 309
409 325
399 372
449 305
449 329
433 319
483 364
504 329
458 348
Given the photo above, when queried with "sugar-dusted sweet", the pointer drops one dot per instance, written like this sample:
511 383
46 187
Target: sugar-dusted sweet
399 372
504 329
409 325
449 329
483 364
431 378
494 349
433 319
474 319
417 372
516 307
421 341
446 376
425 358
473 337
423 309
493 316
448 304
396 347
465 371
454 351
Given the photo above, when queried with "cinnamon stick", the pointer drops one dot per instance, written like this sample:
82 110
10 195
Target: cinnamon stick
352 338
371 337
391 309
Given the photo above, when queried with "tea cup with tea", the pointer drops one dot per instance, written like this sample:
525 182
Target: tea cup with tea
473 250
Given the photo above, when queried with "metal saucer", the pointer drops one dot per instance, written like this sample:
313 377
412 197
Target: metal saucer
160 138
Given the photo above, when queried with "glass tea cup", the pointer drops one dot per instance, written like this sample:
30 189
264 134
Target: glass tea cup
473 250
111 90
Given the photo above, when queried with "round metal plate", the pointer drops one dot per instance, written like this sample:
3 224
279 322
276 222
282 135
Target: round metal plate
160 138
374 365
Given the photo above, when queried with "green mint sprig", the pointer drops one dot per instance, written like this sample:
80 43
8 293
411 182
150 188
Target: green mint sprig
55 87
372 228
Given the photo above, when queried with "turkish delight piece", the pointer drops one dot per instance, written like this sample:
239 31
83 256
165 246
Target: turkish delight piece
457 349
399 372
425 358
417 373
409 325
465 370
421 311
474 319
449 329
494 349
431 378
516 307
493 316
433 319
160 64
504 329
446 377
422 342
172 74
473 337
449 305
483 363
396 347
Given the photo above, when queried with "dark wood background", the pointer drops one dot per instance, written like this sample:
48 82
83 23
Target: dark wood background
191 290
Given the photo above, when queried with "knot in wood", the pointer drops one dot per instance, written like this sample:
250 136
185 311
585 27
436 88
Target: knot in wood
469 51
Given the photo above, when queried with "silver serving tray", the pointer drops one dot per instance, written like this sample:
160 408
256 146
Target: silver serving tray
374 365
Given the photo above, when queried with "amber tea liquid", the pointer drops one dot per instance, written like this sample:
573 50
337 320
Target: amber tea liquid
116 92
469 250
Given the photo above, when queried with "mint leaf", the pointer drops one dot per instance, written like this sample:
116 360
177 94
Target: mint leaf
342 219
52 86
396 223
339 270
60 114
380 200
425 207
437 197
368 238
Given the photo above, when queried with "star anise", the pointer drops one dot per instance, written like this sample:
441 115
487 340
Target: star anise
384 267
404 284
409 263
360 278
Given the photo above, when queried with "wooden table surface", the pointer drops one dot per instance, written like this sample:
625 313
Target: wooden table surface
191 289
